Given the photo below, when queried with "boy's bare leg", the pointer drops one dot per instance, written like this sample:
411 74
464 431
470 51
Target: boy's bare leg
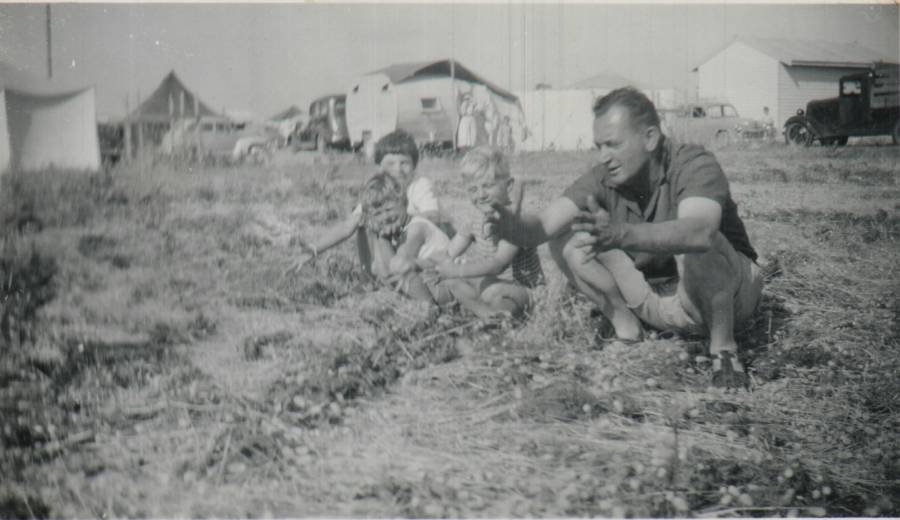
596 282
469 297
374 253
413 286
505 297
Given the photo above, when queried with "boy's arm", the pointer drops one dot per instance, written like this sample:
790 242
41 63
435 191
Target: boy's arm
489 267
459 244
330 238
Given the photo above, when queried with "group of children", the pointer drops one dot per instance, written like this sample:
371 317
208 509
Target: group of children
401 238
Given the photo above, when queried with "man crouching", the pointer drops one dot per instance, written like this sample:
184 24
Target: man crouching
651 235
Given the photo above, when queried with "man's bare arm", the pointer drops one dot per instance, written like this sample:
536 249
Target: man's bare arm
692 232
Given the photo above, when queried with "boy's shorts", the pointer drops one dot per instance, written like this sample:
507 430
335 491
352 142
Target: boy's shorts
666 306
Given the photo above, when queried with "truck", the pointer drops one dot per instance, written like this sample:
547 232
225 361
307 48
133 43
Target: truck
868 104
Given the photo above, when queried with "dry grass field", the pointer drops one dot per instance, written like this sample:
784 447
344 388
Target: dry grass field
158 362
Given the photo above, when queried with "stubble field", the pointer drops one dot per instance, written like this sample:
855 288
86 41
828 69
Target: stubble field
158 362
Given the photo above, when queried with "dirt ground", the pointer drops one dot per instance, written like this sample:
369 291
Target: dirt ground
158 361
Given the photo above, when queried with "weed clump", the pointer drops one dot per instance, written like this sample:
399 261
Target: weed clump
26 284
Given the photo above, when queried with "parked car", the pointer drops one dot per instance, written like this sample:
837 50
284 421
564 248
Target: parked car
327 125
868 103
710 122
219 139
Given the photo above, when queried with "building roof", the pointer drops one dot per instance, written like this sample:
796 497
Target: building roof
401 72
165 102
812 53
20 80
605 80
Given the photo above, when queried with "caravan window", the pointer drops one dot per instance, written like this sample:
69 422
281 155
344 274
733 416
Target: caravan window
430 104
207 127
221 127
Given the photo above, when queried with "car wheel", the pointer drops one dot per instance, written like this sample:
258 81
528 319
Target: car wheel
321 145
895 135
259 155
797 134
723 139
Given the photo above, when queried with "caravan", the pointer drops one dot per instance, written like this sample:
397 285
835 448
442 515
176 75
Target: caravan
425 99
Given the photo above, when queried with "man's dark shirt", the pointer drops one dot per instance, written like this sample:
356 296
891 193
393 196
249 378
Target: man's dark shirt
686 171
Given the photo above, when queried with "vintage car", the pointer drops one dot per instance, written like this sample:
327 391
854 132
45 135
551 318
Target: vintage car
222 140
327 125
709 123
868 103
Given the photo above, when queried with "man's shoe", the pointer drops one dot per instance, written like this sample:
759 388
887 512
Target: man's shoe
728 372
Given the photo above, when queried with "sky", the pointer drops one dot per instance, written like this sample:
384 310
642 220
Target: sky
261 58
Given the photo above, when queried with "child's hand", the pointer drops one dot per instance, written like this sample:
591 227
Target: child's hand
305 257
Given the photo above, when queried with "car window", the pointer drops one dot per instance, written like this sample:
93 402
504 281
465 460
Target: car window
851 87
339 106
729 111
221 127
698 112
208 127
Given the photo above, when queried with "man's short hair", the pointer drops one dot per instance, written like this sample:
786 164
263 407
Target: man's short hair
381 188
485 162
397 142
640 109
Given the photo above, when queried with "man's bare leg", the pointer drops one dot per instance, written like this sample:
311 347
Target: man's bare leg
710 281
597 283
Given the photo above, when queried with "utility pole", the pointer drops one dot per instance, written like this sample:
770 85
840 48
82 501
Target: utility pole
453 78
49 46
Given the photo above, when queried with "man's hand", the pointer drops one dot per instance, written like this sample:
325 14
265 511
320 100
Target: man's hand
593 231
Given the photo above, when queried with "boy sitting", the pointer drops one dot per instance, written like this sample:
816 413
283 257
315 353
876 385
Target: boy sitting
476 284
396 155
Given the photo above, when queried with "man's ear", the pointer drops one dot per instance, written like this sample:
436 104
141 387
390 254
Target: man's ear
652 136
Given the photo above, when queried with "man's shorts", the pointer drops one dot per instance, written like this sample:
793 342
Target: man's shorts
666 306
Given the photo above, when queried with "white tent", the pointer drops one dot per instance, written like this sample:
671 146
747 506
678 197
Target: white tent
43 125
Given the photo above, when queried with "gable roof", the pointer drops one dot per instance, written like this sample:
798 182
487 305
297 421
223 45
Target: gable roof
288 113
165 102
401 72
812 53
605 80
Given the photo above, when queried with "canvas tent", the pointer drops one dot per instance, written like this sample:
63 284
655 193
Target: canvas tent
171 101
424 99
45 124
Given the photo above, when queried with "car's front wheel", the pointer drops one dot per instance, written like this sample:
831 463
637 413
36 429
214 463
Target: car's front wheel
797 134
723 138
